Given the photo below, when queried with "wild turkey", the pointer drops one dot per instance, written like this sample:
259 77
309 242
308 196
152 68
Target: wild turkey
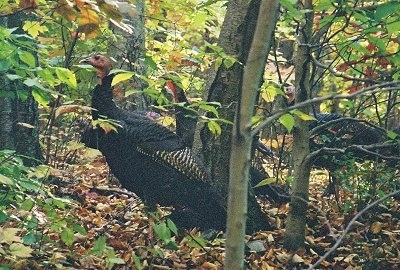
150 160
154 163
352 137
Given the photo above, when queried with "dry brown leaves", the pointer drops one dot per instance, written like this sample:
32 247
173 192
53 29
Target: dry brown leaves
119 216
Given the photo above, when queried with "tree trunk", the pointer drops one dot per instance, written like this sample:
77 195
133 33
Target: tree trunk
223 86
242 139
19 119
296 224
130 52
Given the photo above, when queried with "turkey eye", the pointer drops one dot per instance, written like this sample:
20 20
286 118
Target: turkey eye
97 57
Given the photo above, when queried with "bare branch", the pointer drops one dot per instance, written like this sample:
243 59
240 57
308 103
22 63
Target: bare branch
368 90
348 227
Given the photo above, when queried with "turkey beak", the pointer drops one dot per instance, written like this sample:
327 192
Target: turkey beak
86 61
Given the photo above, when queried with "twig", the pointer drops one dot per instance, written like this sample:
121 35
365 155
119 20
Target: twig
339 241
368 90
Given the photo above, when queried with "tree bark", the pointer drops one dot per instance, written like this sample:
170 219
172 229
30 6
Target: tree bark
223 86
19 119
130 52
242 139
296 223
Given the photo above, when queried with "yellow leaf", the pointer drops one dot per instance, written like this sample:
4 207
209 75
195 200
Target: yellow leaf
6 181
28 5
9 235
88 23
266 181
121 77
34 28
20 250
376 227
392 47
66 9
166 120
111 10
303 116
70 108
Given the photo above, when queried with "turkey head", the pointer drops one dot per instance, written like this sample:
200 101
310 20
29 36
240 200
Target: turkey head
99 62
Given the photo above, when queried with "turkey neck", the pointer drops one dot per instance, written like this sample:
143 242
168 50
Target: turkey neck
102 99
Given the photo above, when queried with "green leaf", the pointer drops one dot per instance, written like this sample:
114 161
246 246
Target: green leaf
287 120
162 231
5 64
6 180
27 58
208 108
99 246
79 229
171 245
137 262
218 63
392 135
40 96
198 242
266 181
29 239
115 260
200 18
47 75
66 76
13 77
27 205
270 93
303 116
121 77
150 63
4 216
393 27
67 236
215 128
291 5
20 250
229 61
386 9
172 226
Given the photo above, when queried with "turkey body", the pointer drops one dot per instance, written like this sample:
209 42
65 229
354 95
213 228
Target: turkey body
351 136
153 162
153 178
186 118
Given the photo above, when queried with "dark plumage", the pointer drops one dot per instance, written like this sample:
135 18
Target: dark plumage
354 137
186 117
186 121
153 162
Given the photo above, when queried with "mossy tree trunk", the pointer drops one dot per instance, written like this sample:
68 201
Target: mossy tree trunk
296 223
224 85
19 119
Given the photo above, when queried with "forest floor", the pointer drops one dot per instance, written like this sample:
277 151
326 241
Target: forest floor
121 235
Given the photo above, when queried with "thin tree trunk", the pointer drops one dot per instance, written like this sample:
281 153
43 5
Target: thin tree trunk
242 139
296 224
223 86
